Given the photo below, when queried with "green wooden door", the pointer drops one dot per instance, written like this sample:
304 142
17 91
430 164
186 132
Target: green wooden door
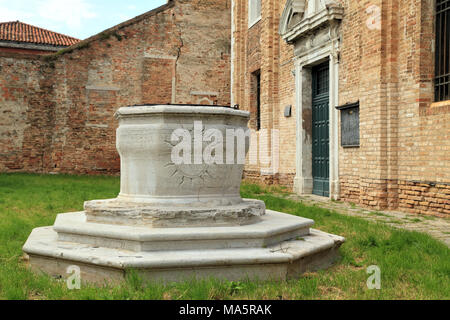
321 130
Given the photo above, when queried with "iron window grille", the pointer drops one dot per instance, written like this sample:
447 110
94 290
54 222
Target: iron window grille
442 79
258 101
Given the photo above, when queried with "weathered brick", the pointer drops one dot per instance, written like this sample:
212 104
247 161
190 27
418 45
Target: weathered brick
56 113
404 141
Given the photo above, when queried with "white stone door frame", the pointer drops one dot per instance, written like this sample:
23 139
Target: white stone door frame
303 183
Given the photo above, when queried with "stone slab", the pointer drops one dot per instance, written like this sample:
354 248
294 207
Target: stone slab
98 264
119 212
273 228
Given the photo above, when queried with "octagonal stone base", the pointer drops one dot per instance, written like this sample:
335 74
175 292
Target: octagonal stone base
278 247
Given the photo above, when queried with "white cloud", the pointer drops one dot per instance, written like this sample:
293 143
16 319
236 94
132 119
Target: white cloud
13 15
73 13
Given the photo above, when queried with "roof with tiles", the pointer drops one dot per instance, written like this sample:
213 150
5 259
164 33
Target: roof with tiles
21 32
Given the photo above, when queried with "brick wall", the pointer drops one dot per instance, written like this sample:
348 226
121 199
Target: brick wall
260 48
404 136
57 111
424 197
25 112
424 131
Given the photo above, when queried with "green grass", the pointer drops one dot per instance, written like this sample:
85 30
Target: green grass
416 220
413 265
379 214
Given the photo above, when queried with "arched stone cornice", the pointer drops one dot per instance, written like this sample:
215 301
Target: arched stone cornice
295 23
294 10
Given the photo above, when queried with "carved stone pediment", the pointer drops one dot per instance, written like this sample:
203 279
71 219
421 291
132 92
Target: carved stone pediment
302 18
293 13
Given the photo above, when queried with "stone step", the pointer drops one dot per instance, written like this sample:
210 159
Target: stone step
273 228
285 260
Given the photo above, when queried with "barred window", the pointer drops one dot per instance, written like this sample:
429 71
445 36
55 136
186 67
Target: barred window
254 12
256 99
442 80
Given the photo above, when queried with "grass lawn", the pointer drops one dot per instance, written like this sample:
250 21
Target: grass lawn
413 265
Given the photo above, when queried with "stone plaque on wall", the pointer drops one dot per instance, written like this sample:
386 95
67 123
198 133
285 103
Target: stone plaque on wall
349 125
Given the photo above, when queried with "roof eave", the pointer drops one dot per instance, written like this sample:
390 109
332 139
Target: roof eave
30 46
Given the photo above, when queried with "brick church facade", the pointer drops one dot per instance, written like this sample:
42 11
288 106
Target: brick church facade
358 92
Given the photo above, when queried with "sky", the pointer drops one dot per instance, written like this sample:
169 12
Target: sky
77 18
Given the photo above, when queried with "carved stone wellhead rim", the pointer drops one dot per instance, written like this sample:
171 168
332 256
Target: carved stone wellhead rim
144 110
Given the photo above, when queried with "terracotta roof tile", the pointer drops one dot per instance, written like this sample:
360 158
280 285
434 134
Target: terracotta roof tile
21 32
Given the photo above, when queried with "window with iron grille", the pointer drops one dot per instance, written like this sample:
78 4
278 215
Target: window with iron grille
256 98
442 80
